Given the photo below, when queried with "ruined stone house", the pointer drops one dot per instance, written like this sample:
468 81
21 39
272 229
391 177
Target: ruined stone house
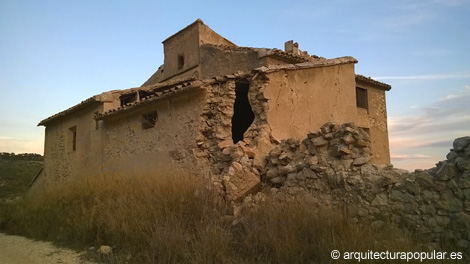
208 95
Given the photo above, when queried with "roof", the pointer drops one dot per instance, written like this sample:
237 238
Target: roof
165 90
181 30
265 52
198 21
307 65
74 108
168 89
368 80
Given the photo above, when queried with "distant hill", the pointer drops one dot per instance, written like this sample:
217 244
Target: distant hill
16 172
22 156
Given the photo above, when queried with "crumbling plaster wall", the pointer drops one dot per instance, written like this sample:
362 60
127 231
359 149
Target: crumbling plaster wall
217 61
207 35
184 43
303 99
375 118
129 149
61 162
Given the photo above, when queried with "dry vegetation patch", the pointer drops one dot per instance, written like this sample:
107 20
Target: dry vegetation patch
174 218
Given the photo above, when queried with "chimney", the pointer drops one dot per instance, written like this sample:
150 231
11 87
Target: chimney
291 47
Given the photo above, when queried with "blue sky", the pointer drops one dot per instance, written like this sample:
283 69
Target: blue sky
54 54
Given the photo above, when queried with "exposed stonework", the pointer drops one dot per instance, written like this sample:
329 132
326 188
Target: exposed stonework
332 166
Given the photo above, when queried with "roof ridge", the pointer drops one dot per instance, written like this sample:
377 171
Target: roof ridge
363 78
308 64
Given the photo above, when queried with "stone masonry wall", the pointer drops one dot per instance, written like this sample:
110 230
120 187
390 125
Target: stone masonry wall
332 165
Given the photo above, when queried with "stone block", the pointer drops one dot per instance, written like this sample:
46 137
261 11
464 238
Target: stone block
361 160
461 143
446 171
380 199
272 173
449 202
348 138
463 164
320 142
240 182
250 152
451 156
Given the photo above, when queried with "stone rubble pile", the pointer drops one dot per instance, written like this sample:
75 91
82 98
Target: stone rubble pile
327 154
333 167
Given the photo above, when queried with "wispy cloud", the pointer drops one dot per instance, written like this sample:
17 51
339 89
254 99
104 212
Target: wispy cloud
426 77
427 132
412 156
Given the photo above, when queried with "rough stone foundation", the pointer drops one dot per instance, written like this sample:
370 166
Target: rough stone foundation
332 167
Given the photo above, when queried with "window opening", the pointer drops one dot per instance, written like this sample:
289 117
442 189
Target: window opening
180 61
96 121
361 98
149 120
73 137
143 94
128 98
243 115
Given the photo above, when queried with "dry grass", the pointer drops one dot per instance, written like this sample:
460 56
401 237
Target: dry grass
173 218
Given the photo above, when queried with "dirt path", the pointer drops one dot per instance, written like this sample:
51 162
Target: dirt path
19 250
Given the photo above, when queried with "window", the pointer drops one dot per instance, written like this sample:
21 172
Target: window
96 121
143 94
149 119
73 137
180 61
128 98
361 98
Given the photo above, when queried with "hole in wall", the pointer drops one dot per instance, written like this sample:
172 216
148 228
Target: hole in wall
128 98
73 138
180 61
243 115
149 119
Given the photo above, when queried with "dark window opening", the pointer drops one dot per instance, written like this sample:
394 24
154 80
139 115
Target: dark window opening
149 120
128 98
180 61
143 94
73 137
243 115
361 98
97 126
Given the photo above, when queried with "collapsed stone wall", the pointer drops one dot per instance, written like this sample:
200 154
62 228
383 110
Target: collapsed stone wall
235 169
333 166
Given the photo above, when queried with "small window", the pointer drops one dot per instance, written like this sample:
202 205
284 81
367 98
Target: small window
143 94
149 120
97 126
128 98
73 137
361 98
180 61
